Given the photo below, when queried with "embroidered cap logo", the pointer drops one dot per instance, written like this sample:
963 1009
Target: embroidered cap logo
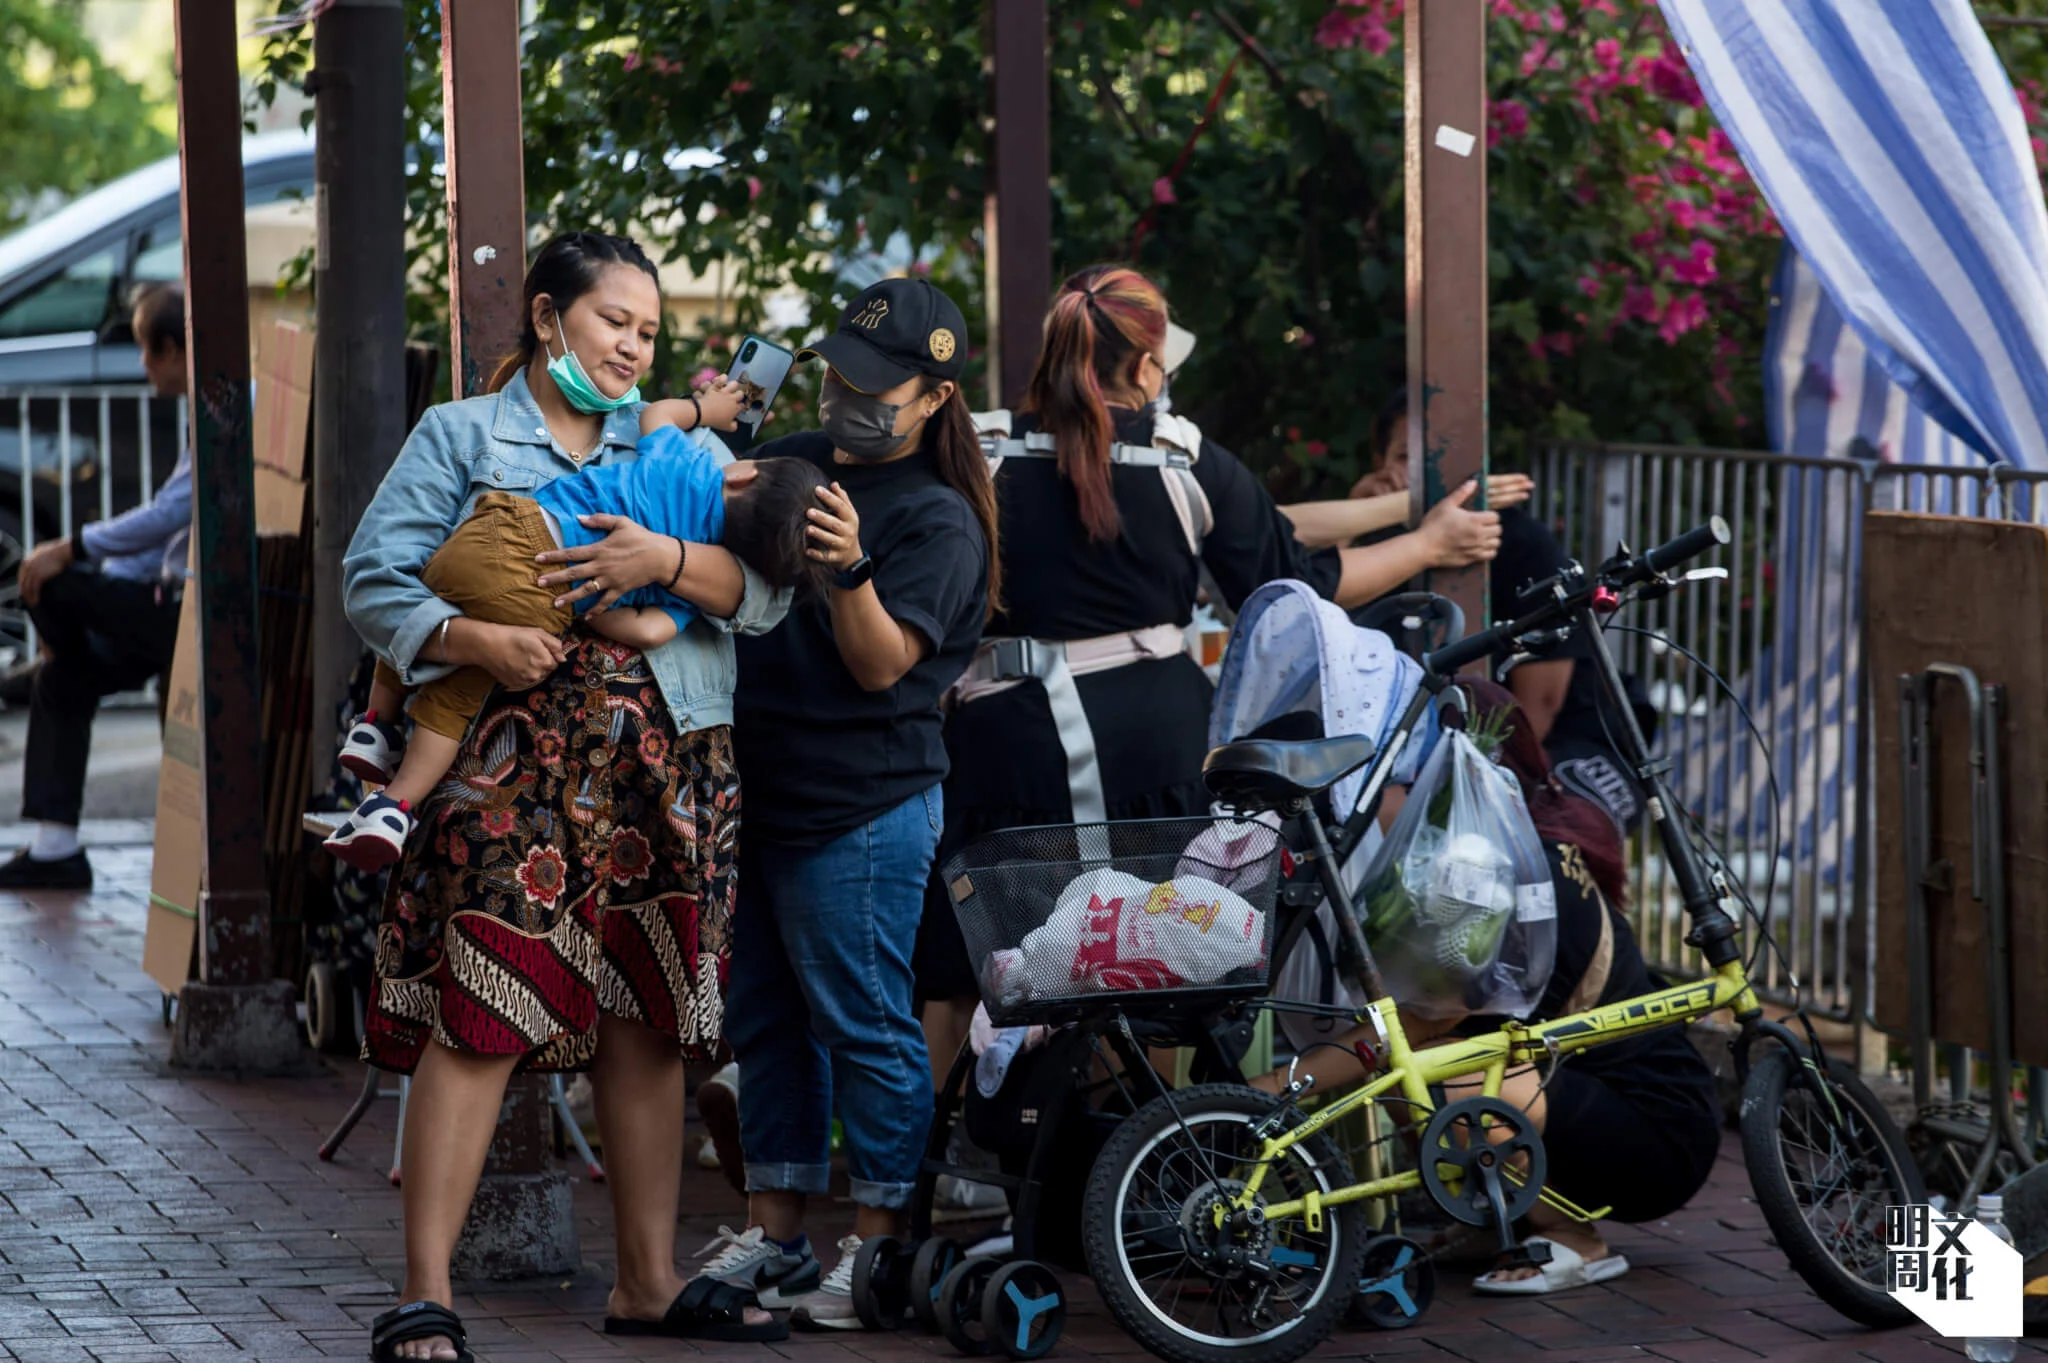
941 344
871 314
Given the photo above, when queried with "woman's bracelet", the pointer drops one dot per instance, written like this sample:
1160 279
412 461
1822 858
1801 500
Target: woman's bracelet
692 400
682 553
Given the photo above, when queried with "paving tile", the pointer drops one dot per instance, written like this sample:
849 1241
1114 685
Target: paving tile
147 1215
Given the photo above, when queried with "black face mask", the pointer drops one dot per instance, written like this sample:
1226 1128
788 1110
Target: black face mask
862 426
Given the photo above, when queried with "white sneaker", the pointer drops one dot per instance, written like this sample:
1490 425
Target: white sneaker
718 1103
373 750
750 1259
707 1154
373 836
831 1306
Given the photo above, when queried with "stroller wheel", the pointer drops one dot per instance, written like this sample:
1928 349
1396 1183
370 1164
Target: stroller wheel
1396 1283
934 1259
881 1282
1023 1309
959 1306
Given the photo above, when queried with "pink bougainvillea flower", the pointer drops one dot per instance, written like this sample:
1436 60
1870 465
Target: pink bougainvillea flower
703 376
753 188
1317 449
1294 432
1663 138
630 62
1586 104
1685 312
1697 268
1605 7
1162 191
1670 78
739 87
1561 342
1532 60
1507 118
664 66
1607 52
1589 286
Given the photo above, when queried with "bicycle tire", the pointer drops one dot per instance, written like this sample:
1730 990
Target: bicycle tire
1102 1233
1763 1107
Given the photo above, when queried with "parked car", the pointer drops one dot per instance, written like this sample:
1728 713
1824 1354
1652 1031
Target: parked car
79 435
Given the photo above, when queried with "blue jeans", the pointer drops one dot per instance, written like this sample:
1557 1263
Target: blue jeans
818 1006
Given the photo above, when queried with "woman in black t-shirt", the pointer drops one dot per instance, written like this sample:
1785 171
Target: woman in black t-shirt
1634 1125
837 735
1102 555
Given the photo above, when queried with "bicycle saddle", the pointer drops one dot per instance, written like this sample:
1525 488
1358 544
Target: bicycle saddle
1265 772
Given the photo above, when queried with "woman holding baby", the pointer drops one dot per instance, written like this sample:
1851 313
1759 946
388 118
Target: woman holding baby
565 900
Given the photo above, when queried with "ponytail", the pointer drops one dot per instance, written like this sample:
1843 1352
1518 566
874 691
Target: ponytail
565 269
1100 321
957 455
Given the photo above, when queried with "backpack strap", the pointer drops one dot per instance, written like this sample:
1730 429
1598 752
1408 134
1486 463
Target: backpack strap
1175 449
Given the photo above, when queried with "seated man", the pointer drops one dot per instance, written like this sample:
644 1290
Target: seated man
105 605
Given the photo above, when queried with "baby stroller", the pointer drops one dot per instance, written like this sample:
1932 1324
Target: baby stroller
1095 937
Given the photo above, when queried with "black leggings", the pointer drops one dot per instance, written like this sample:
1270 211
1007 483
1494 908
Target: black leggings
1630 1142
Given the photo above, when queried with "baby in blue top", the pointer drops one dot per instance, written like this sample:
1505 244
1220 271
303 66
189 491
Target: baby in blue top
757 509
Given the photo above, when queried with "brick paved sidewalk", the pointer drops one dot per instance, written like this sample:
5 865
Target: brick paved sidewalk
149 1216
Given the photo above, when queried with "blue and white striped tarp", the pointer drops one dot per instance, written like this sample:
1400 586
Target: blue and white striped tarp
1827 397
1888 140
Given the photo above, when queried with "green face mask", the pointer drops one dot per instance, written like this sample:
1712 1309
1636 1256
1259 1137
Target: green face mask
567 372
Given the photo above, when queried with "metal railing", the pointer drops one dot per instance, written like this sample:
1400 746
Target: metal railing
69 456
1785 629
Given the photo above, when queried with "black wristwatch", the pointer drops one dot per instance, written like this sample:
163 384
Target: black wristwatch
855 576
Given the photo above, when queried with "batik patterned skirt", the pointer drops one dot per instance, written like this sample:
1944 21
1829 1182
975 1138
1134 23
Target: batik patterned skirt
578 860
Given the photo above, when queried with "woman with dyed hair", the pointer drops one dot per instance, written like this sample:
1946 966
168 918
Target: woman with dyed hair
1082 703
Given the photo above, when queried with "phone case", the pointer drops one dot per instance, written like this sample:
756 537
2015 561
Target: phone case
762 378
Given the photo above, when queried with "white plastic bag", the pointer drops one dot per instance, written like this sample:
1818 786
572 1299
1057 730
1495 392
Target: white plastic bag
1457 902
1112 931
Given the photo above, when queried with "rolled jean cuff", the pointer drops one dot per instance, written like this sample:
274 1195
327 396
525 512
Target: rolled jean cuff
893 1196
790 1178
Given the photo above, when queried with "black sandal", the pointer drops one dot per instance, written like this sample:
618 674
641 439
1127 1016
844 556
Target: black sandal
417 1320
705 1309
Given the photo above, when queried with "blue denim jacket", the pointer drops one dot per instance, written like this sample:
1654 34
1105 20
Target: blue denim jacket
458 452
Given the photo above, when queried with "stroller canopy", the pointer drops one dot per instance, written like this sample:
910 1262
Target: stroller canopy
1292 652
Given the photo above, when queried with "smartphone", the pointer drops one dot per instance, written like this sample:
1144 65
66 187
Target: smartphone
759 368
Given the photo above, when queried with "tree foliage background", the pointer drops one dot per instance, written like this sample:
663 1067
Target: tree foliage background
68 120
805 146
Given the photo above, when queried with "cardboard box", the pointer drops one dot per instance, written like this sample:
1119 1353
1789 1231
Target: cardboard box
174 879
284 423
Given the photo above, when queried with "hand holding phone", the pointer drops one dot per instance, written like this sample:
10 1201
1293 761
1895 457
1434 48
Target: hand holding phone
758 370
722 401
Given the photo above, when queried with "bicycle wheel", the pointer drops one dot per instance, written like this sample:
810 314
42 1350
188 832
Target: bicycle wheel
1191 1290
1823 1174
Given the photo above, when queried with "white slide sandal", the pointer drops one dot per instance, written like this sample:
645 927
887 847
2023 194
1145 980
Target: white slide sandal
1567 1269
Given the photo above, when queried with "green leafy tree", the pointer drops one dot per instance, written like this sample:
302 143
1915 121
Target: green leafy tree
1247 157
69 121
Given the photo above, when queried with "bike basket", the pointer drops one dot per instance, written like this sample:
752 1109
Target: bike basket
1065 920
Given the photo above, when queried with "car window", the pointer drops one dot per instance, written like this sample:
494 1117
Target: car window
160 254
74 299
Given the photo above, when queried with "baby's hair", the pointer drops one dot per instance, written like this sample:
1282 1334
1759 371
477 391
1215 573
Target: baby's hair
765 523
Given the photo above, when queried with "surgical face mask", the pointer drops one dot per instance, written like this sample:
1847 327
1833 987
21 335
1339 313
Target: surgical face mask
863 426
567 372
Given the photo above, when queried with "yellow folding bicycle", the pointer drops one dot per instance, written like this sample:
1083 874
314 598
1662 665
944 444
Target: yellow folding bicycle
1223 1223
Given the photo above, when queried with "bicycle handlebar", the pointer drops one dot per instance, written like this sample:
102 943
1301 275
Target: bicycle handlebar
1620 572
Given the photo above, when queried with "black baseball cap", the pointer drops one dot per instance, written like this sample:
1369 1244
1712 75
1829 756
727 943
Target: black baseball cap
891 332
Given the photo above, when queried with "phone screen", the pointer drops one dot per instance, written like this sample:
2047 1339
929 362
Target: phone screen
759 368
